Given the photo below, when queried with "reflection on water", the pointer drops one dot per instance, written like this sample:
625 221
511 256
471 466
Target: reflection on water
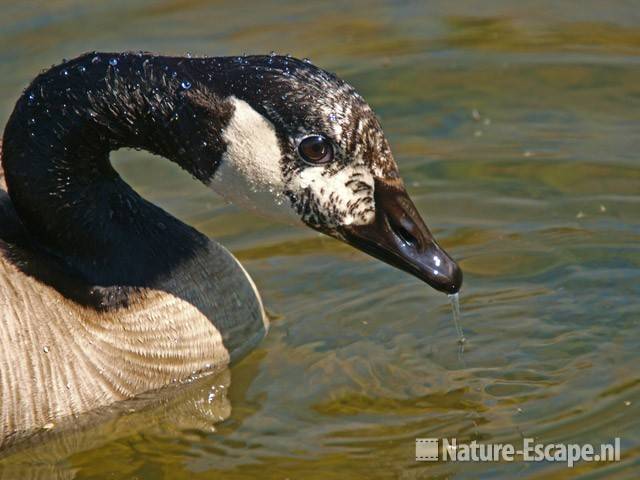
516 130
189 410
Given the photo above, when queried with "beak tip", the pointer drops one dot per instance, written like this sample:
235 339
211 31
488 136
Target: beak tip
451 282
456 280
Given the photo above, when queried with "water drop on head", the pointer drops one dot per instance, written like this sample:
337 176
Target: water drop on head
113 62
272 54
95 60
31 99
188 54
306 60
65 73
82 69
186 85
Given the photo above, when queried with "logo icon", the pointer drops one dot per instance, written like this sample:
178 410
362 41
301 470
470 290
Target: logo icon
426 449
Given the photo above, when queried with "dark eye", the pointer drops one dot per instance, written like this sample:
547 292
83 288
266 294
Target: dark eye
316 149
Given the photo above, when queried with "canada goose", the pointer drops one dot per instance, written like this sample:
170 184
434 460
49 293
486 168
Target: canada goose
104 295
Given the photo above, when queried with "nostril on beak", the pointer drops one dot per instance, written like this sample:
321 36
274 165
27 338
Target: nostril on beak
403 234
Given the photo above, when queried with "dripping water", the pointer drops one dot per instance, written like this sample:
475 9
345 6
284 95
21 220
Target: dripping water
454 299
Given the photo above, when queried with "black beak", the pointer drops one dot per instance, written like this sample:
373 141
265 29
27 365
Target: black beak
398 236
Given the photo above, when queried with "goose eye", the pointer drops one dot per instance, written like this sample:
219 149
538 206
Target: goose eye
316 149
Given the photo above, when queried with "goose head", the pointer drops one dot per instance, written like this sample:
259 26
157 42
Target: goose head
303 146
277 135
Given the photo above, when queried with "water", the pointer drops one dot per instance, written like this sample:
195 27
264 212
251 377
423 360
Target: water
515 126
454 300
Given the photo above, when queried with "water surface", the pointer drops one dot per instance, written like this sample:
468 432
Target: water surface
517 132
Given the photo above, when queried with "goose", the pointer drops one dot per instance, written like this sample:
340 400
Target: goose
103 295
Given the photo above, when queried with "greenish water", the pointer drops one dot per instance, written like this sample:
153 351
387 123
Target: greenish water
516 126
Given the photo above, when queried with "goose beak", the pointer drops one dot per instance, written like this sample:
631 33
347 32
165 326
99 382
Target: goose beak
398 236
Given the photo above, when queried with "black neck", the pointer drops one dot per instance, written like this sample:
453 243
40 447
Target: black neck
56 160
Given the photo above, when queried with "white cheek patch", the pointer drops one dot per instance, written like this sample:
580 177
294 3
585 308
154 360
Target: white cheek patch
250 174
344 198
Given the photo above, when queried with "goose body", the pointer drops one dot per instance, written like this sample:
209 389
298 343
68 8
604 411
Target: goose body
103 295
60 358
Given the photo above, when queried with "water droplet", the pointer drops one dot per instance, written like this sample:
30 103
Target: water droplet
32 121
306 60
95 60
82 69
188 54
288 55
113 62
186 85
272 54
65 73
45 349
31 99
